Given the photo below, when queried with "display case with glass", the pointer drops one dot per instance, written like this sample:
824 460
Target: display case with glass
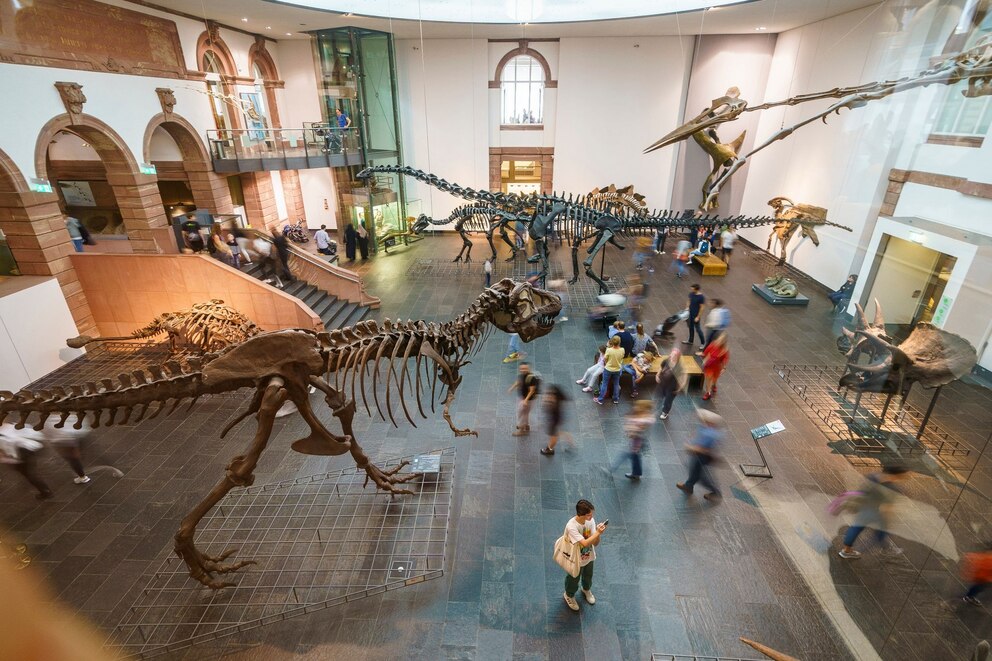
358 85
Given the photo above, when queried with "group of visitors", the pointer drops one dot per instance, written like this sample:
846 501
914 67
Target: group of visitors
704 241
238 247
20 449
713 351
356 236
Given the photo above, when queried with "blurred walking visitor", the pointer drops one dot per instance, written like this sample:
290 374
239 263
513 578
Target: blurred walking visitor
20 453
528 384
513 351
715 357
702 453
976 569
874 508
637 424
554 405
487 268
671 381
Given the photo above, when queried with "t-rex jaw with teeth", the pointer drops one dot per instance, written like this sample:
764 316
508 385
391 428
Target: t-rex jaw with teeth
283 365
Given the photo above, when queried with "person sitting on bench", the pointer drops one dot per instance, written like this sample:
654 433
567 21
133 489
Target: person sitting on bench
702 249
842 295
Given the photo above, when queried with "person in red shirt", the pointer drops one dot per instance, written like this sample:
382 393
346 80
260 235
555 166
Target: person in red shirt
715 357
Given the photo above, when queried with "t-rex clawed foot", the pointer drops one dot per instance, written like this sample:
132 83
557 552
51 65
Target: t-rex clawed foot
202 567
387 480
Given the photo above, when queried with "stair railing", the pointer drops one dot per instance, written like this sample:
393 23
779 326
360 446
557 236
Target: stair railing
340 282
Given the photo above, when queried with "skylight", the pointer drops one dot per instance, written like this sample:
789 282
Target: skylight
509 11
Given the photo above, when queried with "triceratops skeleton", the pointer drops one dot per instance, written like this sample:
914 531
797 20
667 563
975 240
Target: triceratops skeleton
576 219
792 217
930 356
283 365
209 326
973 65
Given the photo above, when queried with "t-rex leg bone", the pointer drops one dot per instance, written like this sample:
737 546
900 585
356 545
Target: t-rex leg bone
344 410
239 473
449 377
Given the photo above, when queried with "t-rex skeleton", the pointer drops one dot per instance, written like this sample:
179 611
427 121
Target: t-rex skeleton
577 219
973 65
209 326
791 217
283 365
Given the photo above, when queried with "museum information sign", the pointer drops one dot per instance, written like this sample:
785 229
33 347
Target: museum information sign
88 35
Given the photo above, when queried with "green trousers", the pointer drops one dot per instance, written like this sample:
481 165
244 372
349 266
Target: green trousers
572 584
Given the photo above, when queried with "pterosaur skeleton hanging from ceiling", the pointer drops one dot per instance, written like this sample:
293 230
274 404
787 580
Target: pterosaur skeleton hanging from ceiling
973 65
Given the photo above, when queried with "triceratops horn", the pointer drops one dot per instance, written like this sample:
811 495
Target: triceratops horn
879 319
862 319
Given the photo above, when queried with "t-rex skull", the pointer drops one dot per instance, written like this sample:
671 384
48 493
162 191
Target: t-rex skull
528 310
931 356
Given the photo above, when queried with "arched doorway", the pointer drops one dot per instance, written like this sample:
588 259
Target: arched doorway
174 148
135 195
34 234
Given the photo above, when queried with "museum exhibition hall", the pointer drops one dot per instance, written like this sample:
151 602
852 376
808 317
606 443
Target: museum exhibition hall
496 329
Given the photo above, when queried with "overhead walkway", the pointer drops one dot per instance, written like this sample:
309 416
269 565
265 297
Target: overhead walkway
313 146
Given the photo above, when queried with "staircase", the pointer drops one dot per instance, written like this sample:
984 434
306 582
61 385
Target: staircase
334 312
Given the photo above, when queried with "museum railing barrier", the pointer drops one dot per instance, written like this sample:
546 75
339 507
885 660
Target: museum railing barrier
298 148
340 282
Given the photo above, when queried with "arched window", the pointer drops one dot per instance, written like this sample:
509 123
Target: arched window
522 91
212 65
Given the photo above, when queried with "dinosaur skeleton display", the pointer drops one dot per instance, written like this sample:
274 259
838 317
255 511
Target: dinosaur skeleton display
973 65
576 219
486 220
209 326
283 365
791 217
930 356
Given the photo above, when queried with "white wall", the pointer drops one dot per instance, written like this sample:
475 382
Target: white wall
317 186
299 101
842 165
162 147
444 114
33 344
719 63
616 96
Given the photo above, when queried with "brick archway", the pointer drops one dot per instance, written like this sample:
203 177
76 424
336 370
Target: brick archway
210 41
258 55
38 240
210 190
137 194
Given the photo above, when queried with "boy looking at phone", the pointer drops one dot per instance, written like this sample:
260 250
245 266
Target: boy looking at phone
583 531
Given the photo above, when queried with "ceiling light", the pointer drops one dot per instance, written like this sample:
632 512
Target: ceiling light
289 34
244 20
760 28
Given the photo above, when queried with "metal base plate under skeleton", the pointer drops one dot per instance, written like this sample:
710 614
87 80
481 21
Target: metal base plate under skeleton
865 431
319 541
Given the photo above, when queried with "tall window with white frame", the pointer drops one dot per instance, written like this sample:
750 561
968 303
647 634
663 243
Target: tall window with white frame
964 116
522 91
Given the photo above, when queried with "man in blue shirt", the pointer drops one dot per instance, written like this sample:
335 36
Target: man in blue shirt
702 451
696 305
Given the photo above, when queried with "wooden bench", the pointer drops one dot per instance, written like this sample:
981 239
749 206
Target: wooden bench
692 368
710 264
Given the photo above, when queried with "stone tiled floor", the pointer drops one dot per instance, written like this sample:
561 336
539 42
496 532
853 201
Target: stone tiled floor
674 575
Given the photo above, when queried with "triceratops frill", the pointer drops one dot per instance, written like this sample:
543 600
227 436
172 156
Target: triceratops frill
930 356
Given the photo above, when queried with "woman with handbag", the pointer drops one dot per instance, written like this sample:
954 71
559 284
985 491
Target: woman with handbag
582 535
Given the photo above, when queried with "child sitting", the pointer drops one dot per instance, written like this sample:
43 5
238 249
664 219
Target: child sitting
638 367
594 372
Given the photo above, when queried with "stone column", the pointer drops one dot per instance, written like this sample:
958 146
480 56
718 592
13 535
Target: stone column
37 237
210 190
260 200
294 195
141 208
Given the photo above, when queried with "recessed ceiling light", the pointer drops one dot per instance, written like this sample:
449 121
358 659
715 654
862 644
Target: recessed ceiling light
244 20
761 28
269 27
289 34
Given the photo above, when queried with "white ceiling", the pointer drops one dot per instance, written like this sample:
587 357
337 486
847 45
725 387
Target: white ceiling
276 19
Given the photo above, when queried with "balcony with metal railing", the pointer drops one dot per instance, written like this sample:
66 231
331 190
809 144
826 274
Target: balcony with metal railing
313 146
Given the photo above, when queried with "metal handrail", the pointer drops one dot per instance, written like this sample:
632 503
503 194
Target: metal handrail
317 140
